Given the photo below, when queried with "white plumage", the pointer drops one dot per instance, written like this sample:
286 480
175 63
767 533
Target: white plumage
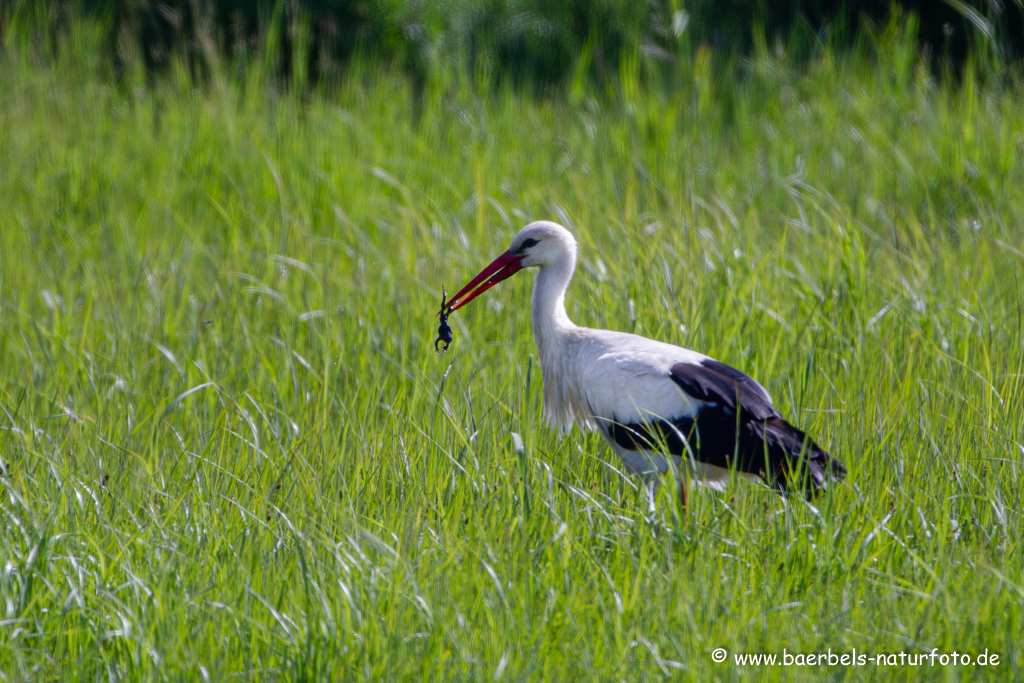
650 400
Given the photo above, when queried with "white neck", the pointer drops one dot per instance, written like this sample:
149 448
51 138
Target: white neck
550 320
552 332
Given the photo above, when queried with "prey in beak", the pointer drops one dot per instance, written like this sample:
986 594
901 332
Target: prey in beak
444 333
501 268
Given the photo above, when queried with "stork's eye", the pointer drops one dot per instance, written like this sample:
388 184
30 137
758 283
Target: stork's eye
528 243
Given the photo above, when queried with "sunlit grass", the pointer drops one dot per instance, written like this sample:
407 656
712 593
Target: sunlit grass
229 447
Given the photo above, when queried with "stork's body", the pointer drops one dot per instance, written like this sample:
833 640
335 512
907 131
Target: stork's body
651 401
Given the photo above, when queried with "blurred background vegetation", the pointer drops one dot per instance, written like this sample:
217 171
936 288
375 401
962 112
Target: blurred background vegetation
538 44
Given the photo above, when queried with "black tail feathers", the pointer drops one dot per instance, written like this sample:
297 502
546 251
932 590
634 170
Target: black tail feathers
794 462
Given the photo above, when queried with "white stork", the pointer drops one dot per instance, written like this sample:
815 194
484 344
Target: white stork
647 398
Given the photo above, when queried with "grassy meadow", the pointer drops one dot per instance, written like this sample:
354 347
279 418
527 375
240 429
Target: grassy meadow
231 453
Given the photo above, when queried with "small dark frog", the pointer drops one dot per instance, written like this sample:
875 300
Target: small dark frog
444 332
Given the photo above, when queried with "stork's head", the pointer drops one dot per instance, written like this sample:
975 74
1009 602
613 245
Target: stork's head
543 243
539 244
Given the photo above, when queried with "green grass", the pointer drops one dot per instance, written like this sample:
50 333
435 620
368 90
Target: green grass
231 452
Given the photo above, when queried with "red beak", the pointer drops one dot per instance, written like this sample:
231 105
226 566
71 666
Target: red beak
501 268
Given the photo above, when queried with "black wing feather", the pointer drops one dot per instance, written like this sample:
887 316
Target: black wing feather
738 427
724 385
